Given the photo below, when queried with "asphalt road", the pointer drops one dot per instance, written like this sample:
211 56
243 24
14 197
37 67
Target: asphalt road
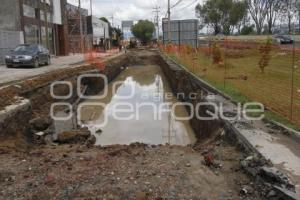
8 75
12 75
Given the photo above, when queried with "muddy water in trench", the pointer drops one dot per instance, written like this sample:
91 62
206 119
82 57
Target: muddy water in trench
148 90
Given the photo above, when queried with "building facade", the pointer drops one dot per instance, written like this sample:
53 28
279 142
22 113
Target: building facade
126 29
98 31
36 21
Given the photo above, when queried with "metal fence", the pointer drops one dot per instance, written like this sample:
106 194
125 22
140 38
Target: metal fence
262 71
8 40
183 32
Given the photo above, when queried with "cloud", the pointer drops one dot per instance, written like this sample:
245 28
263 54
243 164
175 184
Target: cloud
138 9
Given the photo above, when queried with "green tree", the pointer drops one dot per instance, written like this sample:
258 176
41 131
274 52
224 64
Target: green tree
247 30
258 10
143 30
222 15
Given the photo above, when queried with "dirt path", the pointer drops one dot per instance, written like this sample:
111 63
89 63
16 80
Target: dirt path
124 172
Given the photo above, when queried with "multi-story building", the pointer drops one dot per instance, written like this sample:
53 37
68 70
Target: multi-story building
34 21
98 30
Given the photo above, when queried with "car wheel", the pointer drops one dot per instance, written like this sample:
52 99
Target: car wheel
9 66
36 63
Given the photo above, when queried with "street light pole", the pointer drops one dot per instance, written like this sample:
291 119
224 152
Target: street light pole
169 21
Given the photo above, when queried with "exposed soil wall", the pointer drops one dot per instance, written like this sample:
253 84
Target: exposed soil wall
16 127
191 90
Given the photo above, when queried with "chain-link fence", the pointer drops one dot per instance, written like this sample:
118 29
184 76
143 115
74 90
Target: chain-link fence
264 71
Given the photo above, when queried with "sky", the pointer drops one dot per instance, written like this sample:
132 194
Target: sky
139 9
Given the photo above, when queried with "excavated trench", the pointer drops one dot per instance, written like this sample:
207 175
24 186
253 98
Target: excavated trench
138 105
157 89
138 109
143 102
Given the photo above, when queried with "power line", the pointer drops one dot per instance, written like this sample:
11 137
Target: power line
176 4
187 6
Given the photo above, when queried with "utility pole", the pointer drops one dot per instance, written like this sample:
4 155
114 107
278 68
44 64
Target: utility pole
80 24
112 20
46 19
91 7
156 10
169 21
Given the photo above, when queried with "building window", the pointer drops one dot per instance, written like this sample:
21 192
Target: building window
29 11
44 37
43 17
50 38
31 34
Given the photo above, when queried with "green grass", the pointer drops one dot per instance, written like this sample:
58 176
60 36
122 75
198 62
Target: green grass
272 88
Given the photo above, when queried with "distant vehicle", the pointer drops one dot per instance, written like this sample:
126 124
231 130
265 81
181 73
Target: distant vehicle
28 55
283 39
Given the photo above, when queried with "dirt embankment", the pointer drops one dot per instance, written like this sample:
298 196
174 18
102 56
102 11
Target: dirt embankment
17 130
127 172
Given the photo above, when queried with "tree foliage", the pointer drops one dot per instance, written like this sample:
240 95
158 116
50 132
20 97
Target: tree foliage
247 30
222 15
258 10
143 30
289 10
216 53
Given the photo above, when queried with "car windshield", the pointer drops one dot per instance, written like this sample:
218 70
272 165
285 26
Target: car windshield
26 48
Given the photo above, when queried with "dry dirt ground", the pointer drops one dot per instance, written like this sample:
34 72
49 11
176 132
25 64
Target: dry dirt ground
136 171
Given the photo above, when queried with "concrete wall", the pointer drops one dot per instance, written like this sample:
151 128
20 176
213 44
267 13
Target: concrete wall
10 15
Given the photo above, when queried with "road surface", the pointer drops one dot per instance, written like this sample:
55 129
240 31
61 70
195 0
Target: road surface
10 75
